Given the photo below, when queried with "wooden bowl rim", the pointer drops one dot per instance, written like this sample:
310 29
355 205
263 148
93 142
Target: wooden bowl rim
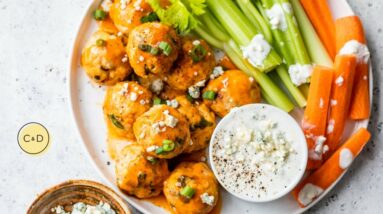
69 183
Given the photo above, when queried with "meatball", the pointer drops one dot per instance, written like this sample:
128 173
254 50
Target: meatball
124 102
138 174
127 15
201 122
191 189
163 131
152 48
104 59
170 93
232 89
194 64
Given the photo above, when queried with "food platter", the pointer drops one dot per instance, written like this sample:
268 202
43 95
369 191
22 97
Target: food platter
86 100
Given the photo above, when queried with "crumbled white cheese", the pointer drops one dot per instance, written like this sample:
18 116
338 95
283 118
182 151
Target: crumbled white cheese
172 103
257 50
333 102
170 120
141 58
120 34
218 71
194 92
157 86
124 59
207 199
142 102
200 83
125 88
137 5
124 4
345 158
225 82
151 148
356 48
196 42
276 15
81 208
319 145
339 81
308 193
330 126
321 103
105 5
133 96
300 74
251 79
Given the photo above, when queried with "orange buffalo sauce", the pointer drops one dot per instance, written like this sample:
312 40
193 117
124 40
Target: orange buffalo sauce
107 25
160 201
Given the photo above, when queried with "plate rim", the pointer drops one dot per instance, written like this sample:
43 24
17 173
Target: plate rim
75 113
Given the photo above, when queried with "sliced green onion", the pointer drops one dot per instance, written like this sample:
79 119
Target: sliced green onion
100 42
166 48
145 47
198 53
154 51
187 192
190 98
151 17
99 14
160 150
115 121
209 95
157 101
168 145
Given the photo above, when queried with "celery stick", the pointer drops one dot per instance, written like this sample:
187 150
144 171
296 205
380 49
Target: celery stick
283 74
240 28
213 25
253 15
206 35
314 45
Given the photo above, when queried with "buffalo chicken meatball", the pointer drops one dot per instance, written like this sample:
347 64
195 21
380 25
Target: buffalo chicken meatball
123 103
232 89
104 59
152 48
138 174
126 15
162 131
201 122
195 64
191 189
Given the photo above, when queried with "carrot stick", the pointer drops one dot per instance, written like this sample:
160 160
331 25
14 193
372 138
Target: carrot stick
312 186
320 16
348 29
340 99
315 116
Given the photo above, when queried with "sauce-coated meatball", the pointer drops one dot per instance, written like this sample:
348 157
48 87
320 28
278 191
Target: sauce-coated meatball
232 89
127 15
152 48
201 122
163 131
124 102
104 59
194 64
191 189
138 174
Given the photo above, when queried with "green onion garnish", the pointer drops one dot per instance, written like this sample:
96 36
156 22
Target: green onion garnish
115 121
99 14
168 145
166 48
100 42
157 101
198 53
154 51
209 95
160 150
148 48
151 17
187 192
190 98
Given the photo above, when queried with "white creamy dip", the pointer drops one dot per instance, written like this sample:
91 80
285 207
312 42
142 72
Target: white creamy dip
356 48
258 152
300 74
276 16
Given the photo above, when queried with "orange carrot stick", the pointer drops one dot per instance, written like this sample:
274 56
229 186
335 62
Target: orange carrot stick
315 116
348 29
312 186
320 16
340 99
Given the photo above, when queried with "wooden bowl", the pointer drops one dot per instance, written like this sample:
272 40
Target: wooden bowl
73 191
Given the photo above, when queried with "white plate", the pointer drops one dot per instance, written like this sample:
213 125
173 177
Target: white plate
86 104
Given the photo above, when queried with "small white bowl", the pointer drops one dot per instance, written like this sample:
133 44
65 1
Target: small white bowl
286 123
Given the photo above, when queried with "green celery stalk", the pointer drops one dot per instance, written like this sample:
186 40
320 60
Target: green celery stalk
283 74
256 18
315 47
240 28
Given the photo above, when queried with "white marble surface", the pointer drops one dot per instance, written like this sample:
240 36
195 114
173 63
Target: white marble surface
36 36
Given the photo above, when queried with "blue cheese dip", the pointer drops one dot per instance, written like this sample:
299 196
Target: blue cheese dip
258 153
82 208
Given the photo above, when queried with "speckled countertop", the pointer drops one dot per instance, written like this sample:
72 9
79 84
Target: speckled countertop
36 37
